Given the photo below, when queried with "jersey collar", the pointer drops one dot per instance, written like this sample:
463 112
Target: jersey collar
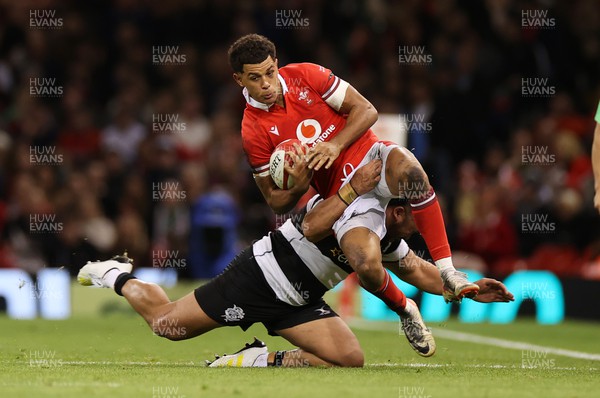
254 103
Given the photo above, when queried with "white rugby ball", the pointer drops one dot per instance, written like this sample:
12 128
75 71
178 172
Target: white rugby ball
279 158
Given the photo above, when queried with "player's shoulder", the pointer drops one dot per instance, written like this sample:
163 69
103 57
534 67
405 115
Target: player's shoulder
303 69
249 118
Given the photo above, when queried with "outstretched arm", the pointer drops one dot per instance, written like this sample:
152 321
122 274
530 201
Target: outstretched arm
426 276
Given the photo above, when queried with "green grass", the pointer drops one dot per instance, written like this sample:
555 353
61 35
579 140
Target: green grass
116 355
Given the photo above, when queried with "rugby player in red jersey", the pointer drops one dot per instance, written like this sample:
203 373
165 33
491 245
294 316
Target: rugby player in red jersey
308 102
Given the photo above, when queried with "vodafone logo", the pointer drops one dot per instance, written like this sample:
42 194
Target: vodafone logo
308 131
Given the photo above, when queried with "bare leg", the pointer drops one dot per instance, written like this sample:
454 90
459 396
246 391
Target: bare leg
174 320
363 250
323 342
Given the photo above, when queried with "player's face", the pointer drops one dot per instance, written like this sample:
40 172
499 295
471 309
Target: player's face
400 222
260 80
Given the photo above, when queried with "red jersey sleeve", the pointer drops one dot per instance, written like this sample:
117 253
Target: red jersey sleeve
257 146
331 88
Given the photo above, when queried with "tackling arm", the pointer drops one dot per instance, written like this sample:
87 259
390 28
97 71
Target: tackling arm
318 221
418 272
426 277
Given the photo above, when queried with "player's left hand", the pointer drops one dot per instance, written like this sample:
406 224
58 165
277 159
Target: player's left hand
491 291
323 154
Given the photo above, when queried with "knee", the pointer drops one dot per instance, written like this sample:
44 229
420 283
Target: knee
405 167
412 176
352 359
363 262
413 183
168 327
365 259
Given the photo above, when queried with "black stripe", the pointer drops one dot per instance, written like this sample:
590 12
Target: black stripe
294 269
330 248
389 245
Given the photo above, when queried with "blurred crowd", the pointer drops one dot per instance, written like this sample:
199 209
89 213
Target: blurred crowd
124 148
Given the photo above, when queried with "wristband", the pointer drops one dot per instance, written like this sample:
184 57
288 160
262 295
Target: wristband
347 194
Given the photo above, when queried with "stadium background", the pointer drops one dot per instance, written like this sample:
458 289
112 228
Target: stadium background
128 149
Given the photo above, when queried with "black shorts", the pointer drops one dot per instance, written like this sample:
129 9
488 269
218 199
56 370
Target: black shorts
240 296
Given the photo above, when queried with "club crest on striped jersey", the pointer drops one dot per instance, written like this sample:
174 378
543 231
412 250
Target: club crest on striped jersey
233 314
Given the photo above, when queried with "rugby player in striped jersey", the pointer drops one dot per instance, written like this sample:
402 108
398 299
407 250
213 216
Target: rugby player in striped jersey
280 281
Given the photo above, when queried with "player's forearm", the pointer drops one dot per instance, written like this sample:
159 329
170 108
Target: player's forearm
279 200
282 201
318 222
360 118
417 272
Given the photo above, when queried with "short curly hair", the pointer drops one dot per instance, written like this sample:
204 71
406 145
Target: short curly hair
250 49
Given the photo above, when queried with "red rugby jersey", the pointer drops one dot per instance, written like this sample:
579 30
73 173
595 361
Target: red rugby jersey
308 117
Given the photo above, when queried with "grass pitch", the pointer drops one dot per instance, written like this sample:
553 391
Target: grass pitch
116 355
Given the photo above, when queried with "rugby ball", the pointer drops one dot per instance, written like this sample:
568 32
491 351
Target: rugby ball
279 158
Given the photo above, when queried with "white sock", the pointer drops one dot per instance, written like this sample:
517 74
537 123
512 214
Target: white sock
261 361
111 276
445 264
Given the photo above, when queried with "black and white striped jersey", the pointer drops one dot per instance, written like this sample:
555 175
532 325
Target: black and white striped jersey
300 272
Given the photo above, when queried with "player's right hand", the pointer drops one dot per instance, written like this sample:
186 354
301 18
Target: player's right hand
366 177
597 200
299 169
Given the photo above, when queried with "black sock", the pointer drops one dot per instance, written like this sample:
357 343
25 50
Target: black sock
278 360
121 280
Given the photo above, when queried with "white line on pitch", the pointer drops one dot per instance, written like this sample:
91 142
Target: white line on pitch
481 366
478 339
515 345
130 363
